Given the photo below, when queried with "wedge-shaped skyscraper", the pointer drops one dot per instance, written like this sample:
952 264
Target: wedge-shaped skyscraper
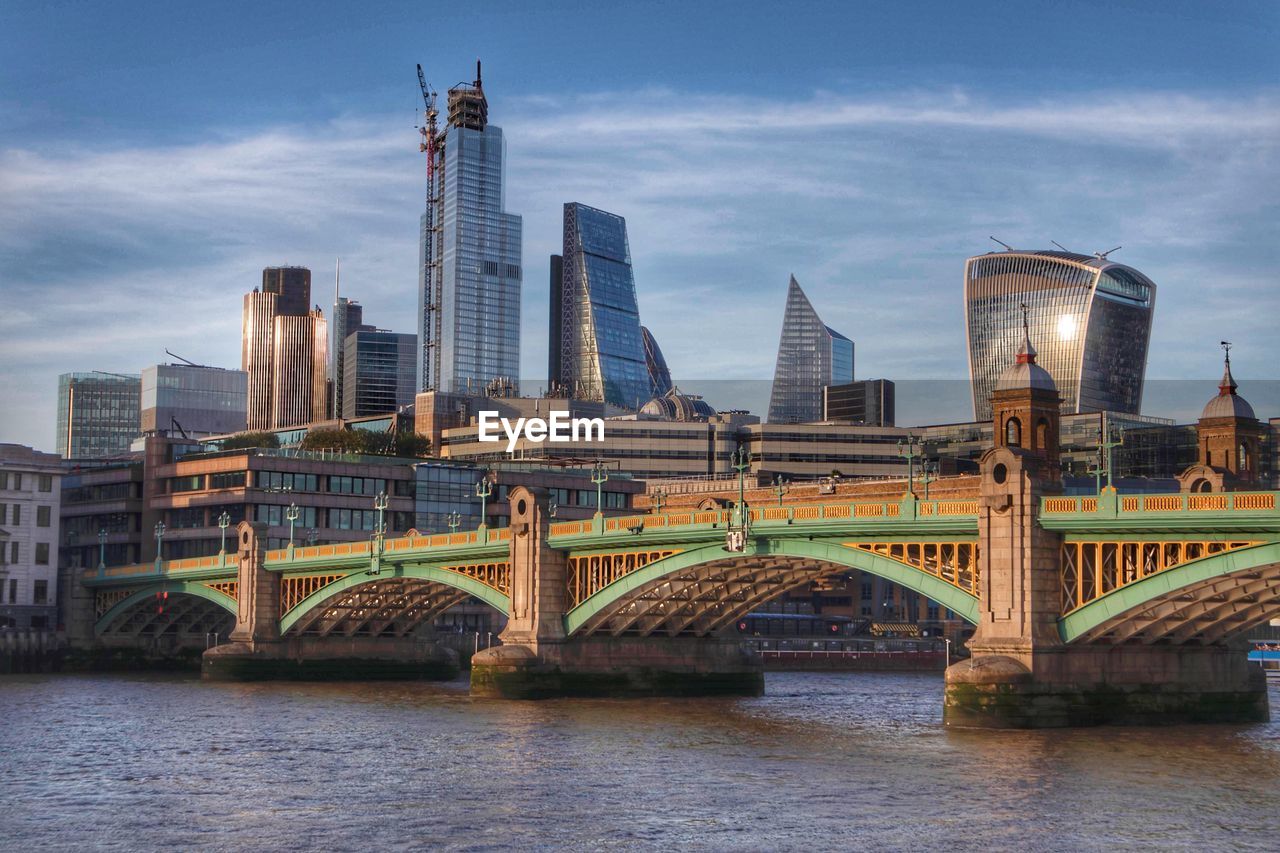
811 356
1090 323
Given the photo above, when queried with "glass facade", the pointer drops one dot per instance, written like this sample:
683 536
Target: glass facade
1090 322
199 401
602 351
381 373
99 414
348 317
442 489
811 355
470 254
659 374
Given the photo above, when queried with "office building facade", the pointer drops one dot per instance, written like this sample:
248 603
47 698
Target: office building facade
869 402
811 355
1090 322
284 354
192 400
292 287
30 491
98 414
381 372
470 255
348 317
601 348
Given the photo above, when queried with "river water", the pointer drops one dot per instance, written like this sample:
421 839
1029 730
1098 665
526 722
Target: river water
829 761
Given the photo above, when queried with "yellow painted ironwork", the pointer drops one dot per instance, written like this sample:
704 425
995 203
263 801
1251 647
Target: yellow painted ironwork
231 589
495 575
955 563
107 599
1090 570
294 588
589 573
1255 501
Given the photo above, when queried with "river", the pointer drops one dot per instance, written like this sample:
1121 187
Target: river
832 761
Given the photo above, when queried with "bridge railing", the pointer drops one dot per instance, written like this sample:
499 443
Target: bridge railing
1190 502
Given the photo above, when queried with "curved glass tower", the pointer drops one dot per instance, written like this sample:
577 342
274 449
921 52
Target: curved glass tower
1090 323
602 353
811 355
659 373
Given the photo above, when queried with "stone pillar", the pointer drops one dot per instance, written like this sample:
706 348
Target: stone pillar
536 660
257 590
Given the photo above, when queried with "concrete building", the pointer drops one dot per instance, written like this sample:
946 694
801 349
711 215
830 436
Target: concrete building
470 253
30 490
98 414
380 372
193 400
811 355
1090 322
348 317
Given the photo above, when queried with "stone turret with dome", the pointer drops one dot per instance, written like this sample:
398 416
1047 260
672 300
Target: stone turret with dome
1229 440
1025 405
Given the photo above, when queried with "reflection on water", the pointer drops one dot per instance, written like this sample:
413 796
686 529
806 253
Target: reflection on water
831 760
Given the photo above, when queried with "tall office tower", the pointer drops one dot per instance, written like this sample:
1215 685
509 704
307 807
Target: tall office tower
382 372
348 317
868 401
1090 323
602 353
659 374
291 285
810 355
193 400
298 367
258 321
469 279
554 331
98 414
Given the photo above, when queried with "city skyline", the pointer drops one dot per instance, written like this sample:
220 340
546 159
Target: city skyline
1180 181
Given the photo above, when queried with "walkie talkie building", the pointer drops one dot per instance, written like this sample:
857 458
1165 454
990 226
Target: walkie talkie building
1090 322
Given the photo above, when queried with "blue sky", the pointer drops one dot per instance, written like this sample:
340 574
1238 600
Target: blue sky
154 156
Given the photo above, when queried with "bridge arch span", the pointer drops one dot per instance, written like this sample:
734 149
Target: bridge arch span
1204 601
191 607
393 602
700 591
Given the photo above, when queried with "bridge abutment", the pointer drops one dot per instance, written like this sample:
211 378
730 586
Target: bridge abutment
257 651
537 660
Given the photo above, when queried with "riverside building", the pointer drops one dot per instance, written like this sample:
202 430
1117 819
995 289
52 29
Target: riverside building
30 489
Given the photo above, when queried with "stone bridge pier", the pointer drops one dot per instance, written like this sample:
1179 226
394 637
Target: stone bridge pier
1023 675
538 660
258 651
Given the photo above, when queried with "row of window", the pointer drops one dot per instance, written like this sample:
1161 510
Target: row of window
39 592
43 515
12 481
103 492
15 553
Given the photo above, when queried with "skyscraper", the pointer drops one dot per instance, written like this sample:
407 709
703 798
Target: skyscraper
98 414
1090 323
810 355
381 372
348 317
469 280
601 349
659 373
193 400
284 352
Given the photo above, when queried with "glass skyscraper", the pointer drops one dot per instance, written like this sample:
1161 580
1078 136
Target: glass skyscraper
811 355
195 401
99 414
659 374
1090 322
601 351
380 372
470 253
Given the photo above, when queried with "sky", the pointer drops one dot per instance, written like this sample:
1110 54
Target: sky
155 156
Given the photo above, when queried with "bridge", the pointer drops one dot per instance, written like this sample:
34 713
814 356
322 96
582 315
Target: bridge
1107 608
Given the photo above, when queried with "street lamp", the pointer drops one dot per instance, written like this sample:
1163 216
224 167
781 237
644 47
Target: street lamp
380 503
313 536
599 476
292 515
454 519
928 473
739 526
780 484
484 488
102 550
910 451
224 521
658 500
159 544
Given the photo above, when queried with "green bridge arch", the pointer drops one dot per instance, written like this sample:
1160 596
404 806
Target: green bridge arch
1131 598
953 598
470 586
195 588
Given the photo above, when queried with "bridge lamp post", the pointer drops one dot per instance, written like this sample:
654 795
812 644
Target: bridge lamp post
909 449
292 515
380 503
159 545
780 486
453 519
1098 466
599 476
1108 447
102 550
928 473
658 500
313 536
224 521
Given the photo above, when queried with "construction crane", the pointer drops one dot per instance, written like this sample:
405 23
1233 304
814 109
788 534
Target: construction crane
431 144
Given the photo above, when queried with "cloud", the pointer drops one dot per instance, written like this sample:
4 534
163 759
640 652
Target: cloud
110 255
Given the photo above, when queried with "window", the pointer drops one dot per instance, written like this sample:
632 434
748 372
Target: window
42 516
1013 433
227 480
4 479
40 592
4 512
42 555
17 482
46 482
1244 458
13 553
17 514
13 590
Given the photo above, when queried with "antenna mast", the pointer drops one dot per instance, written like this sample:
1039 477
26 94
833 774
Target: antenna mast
431 144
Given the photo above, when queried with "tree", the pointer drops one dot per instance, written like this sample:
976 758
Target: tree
412 445
248 440
337 440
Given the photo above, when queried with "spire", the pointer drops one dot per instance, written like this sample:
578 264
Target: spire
1026 353
1228 384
